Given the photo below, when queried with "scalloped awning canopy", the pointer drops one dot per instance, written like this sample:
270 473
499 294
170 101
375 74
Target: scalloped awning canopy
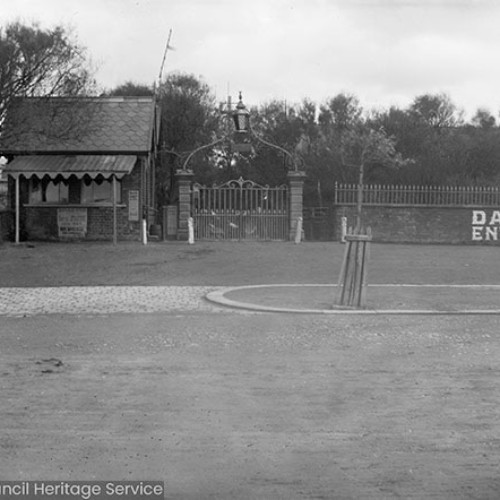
74 165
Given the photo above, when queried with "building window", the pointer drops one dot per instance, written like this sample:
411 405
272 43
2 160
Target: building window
73 191
48 191
99 191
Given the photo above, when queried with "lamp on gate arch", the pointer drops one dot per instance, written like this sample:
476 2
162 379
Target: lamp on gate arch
241 142
241 117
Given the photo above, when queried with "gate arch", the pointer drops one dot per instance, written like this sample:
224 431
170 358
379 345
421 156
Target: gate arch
240 210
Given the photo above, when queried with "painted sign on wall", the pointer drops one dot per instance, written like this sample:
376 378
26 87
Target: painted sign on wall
72 222
485 225
133 205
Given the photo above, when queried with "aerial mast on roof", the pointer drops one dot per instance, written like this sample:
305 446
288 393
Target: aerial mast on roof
167 48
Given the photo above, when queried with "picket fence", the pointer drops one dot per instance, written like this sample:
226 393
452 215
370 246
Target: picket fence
347 194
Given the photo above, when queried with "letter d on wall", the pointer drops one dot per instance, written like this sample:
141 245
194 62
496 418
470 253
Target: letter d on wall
478 217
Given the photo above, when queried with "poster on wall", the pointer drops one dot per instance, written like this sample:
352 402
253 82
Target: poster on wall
72 222
133 205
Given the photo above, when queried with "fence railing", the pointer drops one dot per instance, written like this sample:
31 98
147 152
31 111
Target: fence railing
347 194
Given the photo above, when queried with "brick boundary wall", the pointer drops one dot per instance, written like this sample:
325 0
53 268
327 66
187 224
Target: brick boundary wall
473 225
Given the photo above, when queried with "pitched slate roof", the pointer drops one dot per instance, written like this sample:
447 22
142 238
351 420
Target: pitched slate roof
103 125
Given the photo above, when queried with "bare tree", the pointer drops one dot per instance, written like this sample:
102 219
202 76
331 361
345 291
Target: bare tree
36 62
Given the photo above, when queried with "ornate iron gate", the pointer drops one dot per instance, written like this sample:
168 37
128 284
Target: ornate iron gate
240 210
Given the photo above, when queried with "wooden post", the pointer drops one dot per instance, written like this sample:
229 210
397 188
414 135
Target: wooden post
115 228
17 237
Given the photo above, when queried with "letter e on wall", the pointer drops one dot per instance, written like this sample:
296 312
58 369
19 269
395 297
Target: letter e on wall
477 233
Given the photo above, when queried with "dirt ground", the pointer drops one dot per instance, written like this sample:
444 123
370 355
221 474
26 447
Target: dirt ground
228 263
235 405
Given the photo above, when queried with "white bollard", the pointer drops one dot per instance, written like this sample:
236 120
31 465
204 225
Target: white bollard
298 230
343 228
144 232
190 231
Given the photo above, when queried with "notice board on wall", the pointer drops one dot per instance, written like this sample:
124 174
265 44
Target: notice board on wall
133 205
72 222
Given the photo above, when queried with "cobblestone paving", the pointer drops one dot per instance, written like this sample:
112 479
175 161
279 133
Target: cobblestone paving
103 300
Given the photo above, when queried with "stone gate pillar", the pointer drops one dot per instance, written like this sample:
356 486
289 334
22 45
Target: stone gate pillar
295 202
184 180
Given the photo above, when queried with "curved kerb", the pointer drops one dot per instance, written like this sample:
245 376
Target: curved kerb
218 297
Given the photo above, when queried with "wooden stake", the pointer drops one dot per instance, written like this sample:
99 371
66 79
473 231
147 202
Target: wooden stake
115 224
352 281
17 210
366 259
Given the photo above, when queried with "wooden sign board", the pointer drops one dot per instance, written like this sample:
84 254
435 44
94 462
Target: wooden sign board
72 222
133 205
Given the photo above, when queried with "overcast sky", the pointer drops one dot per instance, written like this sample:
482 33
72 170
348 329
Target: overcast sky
383 51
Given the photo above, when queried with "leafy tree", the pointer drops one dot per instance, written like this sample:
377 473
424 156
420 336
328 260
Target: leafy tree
189 119
319 145
130 88
483 119
432 132
36 62
281 127
362 147
415 138
437 110
482 156
339 113
306 113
